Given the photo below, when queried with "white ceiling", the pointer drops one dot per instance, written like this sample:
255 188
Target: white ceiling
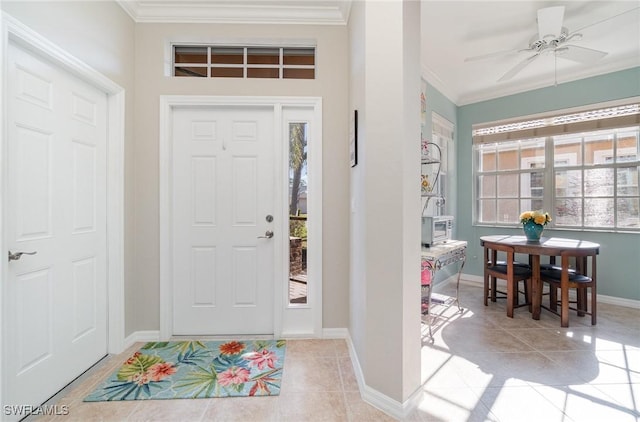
451 31
455 30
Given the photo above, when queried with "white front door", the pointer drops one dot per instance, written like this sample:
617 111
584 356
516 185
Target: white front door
55 306
222 199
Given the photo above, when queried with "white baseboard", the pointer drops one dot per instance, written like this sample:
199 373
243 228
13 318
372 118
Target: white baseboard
611 300
296 334
375 398
335 333
470 279
141 336
619 301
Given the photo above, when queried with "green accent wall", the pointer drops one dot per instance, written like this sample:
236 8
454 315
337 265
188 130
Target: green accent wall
438 103
619 259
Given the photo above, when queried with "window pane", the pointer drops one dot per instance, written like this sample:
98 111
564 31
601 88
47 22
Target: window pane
227 55
597 212
628 212
487 186
487 157
532 184
531 204
190 54
227 72
508 210
568 183
262 73
568 212
298 216
598 182
628 181
508 156
598 149
298 73
532 154
567 151
508 186
537 184
627 147
299 56
263 56
200 72
487 210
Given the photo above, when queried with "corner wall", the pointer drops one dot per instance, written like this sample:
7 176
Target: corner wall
385 199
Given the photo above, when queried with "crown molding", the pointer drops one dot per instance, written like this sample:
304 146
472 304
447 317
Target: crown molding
545 82
330 12
522 86
433 80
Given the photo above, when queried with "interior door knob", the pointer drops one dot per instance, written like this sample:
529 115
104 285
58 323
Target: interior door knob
267 235
14 256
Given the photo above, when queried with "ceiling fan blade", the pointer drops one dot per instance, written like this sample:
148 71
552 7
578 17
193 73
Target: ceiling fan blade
580 54
550 21
517 68
492 55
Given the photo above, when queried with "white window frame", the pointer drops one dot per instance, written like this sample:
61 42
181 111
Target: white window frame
506 132
245 66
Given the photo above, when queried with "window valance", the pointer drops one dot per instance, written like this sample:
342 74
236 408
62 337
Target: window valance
601 118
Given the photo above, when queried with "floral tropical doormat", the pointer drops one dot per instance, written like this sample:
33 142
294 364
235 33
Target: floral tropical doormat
197 369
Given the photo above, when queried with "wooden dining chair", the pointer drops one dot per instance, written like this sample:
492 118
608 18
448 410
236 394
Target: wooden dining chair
511 271
578 279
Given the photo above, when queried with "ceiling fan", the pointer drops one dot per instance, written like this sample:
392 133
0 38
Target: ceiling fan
552 38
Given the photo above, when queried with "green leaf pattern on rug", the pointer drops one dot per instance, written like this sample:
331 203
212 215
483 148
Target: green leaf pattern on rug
137 366
197 369
201 382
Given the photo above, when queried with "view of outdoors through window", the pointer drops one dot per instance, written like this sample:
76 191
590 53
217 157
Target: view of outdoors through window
592 181
202 61
298 212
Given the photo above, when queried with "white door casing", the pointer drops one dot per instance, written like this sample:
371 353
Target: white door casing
104 211
223 191
285 318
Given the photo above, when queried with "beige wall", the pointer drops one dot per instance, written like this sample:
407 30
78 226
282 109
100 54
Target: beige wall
101 35
331 84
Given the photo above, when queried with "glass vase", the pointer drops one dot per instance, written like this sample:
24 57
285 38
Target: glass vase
532 231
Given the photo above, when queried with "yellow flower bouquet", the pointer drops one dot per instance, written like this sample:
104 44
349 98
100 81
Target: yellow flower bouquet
538 217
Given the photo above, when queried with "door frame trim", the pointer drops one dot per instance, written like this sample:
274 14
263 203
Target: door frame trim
12 30
170 102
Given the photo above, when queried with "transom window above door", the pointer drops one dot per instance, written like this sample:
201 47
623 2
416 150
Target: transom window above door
218 61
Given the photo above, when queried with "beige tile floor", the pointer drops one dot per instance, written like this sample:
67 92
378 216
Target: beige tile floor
481 366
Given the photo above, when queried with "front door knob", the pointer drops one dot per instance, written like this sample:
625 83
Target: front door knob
14 256
267 235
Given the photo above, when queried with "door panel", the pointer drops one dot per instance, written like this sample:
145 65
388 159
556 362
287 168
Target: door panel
55 301
223 172
33 179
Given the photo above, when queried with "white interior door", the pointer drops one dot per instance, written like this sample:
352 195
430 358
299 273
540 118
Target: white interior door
222 195
55 319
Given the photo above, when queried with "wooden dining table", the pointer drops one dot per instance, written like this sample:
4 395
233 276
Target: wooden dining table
552 247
